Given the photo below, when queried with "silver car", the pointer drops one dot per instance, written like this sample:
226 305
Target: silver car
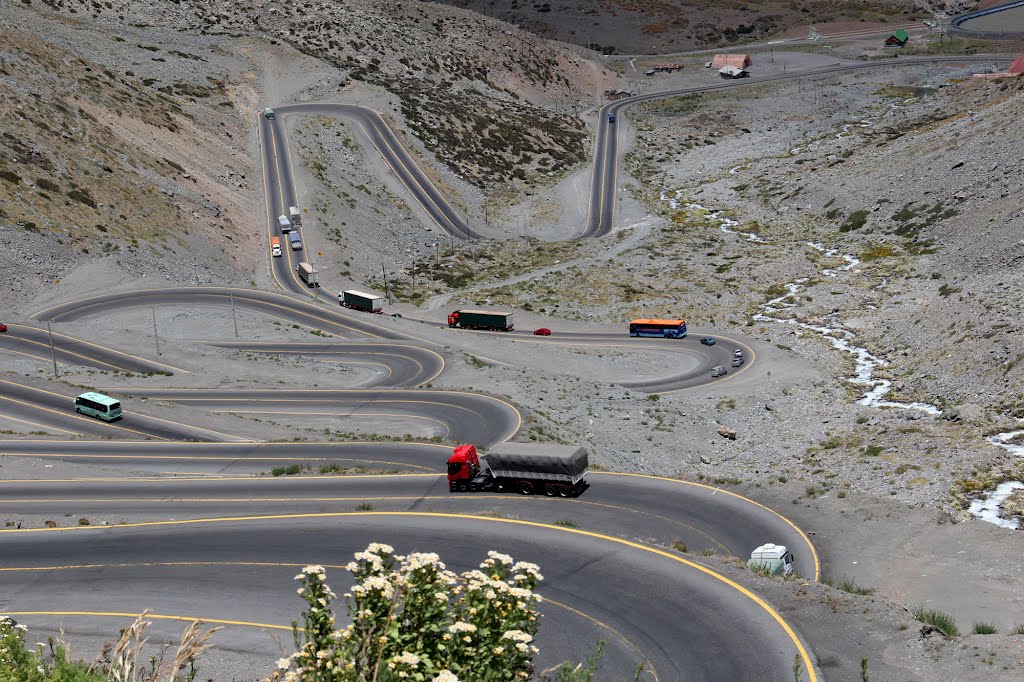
718 371
737 360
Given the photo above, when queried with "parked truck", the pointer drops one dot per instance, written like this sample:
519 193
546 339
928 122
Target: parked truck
481 319
526 468
358 300
295 239
284 224
275 247
296 215
308 274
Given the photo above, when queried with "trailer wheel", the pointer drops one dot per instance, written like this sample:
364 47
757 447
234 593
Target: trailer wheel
551 490
525 488
564 491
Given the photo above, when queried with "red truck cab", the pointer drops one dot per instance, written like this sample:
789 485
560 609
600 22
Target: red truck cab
463 467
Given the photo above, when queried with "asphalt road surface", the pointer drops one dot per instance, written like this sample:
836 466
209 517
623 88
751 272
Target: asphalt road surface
242 534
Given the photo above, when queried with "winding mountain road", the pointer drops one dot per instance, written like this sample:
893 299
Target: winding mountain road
237 535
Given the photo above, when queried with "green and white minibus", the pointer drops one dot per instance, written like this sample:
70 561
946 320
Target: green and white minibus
99 406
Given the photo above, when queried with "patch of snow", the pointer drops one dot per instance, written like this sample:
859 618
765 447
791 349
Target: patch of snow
988 508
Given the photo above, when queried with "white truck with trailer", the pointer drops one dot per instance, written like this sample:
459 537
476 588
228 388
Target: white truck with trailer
308 274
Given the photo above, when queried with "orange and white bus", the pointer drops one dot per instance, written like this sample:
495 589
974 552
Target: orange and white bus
669 329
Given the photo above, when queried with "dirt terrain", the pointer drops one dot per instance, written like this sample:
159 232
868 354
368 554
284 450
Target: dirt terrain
883 210
669 26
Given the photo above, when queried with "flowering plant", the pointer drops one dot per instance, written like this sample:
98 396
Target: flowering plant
413 619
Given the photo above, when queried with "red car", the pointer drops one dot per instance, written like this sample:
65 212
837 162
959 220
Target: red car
3 327
543 331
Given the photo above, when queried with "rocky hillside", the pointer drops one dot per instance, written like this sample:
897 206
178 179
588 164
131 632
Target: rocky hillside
663 26
917 184
113 147
491 101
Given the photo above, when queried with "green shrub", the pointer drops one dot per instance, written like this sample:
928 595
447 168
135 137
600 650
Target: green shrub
19 663
984 629
47 185
848 585
854 221
943 621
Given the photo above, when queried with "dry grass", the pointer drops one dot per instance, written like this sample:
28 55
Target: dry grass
125 665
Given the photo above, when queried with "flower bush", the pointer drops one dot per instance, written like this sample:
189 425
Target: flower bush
45 662
413 619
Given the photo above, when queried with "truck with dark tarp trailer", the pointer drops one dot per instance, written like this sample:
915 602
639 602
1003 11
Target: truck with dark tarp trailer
525 468
493 320
359 300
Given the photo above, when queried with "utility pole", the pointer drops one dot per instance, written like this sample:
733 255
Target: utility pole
53 353
155 335
387 294
437 253
451 237
233 318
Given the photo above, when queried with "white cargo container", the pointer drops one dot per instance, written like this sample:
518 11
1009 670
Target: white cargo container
308 274
296 215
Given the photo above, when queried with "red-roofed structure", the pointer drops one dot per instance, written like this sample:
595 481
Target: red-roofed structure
740 61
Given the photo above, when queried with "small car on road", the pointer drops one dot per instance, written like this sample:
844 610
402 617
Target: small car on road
543 331
3 327
708 341
737 360
718 371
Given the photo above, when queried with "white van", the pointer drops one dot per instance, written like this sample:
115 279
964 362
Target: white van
775 559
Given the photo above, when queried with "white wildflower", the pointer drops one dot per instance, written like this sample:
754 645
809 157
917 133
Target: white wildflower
446 676
498 556
406 658
461 626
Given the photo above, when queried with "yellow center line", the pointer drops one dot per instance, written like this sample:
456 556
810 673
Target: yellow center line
717 490
154 616
767 608
42 426
75 416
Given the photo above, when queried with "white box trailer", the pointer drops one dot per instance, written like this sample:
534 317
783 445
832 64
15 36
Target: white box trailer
295 215
284 224
308 274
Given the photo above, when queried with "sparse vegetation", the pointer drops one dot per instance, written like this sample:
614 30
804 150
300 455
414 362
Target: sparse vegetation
847 584
943 621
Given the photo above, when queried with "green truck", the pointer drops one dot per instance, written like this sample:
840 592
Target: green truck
494 320
358 300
